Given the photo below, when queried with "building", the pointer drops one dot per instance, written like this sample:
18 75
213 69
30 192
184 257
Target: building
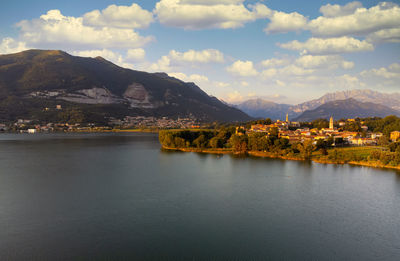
287 117
58 107
363 141
31 131
395 135
331 123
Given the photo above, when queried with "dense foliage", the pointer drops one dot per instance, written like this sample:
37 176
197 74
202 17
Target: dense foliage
230 138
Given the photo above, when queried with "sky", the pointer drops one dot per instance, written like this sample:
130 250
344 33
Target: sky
279 50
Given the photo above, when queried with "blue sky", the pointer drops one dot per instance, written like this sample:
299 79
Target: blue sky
283 51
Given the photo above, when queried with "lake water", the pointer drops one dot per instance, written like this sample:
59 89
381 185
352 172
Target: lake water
118 196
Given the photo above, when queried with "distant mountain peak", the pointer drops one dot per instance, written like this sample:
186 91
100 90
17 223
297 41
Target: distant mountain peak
348 108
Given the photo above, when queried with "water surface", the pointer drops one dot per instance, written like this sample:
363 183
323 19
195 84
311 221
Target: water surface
118 196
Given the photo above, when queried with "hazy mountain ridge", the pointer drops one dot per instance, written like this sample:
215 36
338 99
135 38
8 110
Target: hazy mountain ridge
268 109
38 77
391 100
260 108
349 108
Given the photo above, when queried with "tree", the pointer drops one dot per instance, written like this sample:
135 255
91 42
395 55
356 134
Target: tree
306 148
200 142
216 142
238 143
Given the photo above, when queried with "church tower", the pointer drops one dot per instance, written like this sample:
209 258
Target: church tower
331 123
287 117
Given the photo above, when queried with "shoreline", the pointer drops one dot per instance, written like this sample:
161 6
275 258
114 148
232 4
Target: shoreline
271 155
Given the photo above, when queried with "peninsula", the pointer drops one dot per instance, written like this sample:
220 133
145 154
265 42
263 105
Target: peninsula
371 142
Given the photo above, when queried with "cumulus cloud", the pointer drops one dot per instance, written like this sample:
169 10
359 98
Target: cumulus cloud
119 16
234 97
280 83
295 70
338 10
196 78
54 30
323 61
162 65
211 2
390 72
285 22
221 84
385 35
106 54
167 63
244 83
269 73
137 54
193 56
328 46
197 14
275 62
10 45
362 21
242 68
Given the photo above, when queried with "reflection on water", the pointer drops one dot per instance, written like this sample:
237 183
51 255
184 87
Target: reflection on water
119 196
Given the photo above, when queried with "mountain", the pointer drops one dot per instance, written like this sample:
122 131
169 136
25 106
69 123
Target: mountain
260 108
36 79
391 100
349 108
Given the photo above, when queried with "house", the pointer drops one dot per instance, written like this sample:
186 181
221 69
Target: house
363 141
395 135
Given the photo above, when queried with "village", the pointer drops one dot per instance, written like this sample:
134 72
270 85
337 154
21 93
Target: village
129 122
336 135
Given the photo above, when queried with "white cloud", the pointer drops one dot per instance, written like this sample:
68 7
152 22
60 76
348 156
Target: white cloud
244 83
385 35
162 65
280 83
192 56
168 63
338 10
137 54
106 54
211 2
269 73
346 81
119 16
391 72
196 78
221 84
54 30
328 46
234 97
285 22
9 45
192 14
242 68
295 70
275 62
323 61
363 21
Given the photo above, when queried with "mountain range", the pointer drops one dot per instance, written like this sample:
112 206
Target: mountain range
260 108
349 108
36 79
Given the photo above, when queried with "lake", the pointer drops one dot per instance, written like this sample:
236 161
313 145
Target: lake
118 196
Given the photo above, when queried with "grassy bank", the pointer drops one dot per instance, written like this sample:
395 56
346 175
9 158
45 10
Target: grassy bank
348 152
